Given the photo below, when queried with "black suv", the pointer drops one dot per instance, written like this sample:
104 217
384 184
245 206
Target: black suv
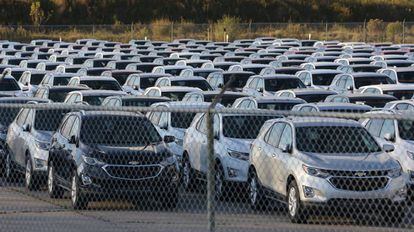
104 155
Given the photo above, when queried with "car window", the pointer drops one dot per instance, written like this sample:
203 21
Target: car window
286 138
201 125
163 119
273 135
22 117
349 82
75 127
253 83
375 127
402 106
155 117
67 126
387 128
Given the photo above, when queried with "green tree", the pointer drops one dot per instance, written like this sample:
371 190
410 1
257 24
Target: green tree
36 13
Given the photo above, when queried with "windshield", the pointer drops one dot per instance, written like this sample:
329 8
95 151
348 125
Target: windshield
94 100
323 79
226 100
49 120
123 131
174 96
146 82
201 84
400 94
406 77
57 96
174 72
365 69
373 102
372 80
406 129
243 126
7 115
239 80
121 77
62 80
276 106
335 139
282 84
311 98
181 119
9 85
35 79
102 85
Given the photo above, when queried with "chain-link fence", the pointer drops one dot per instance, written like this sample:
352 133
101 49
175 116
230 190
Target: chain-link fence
192 168
371 31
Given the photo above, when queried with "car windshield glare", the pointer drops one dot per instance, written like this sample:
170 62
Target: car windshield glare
347 140
118 130
243 126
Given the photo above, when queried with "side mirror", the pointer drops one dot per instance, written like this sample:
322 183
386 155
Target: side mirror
220 85
350 88
73 140
169 139
135 87
388 147
286 148
216 135
26 128
164 126
389 137
260 89
25 88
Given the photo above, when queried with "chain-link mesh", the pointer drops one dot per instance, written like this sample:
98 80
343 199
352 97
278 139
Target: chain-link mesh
92 168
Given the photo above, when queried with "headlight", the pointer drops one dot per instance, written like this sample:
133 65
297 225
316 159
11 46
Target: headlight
92 161
315 172
410 154
394 173
39 163
42 145
238 155
169 161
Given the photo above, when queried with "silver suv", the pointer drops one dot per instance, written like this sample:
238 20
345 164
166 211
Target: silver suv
312 162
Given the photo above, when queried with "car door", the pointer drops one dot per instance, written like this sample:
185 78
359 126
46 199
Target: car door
22 140
15 129
251 86
283 160
265 171
199 143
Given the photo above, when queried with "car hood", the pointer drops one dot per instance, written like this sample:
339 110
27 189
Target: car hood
44 136
357 162
240 145
139 155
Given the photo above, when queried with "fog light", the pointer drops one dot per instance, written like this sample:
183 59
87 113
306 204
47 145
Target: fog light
308 192
86 180
402 192
39 163
232 172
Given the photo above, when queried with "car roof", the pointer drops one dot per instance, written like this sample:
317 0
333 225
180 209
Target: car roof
180 78
109 113
392 86
96 78
318 121
22 99
367 74
100 92
312 91
325 71
279 99
369 95
341 105
178 89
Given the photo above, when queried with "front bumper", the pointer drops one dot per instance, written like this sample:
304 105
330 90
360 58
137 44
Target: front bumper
324 191
96 182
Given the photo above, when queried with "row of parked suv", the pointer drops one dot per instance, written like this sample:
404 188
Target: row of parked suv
302 162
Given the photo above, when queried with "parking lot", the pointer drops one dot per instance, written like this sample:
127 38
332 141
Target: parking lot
23 210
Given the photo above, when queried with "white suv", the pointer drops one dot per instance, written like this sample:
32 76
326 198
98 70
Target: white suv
233 135
313 162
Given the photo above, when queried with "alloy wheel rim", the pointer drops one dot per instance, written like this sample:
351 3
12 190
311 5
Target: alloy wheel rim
74 190
28 173
253 190
292 202
50 179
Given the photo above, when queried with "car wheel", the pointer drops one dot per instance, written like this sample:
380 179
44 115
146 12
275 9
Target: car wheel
9 172
30 179
79 201
296 209
188 175
256 196
54 190
219 183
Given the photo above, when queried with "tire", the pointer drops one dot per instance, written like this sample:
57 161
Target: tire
220 184
256 195
79 200
188 177
30 179
9 172
53 189
296 210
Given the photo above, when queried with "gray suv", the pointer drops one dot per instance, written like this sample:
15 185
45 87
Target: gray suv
313 162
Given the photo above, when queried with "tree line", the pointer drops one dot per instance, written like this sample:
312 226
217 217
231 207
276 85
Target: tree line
56 12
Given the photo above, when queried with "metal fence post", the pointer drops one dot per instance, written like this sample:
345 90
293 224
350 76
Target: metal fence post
210 173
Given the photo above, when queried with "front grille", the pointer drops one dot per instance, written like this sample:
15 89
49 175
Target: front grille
341 173
359 183
133 172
